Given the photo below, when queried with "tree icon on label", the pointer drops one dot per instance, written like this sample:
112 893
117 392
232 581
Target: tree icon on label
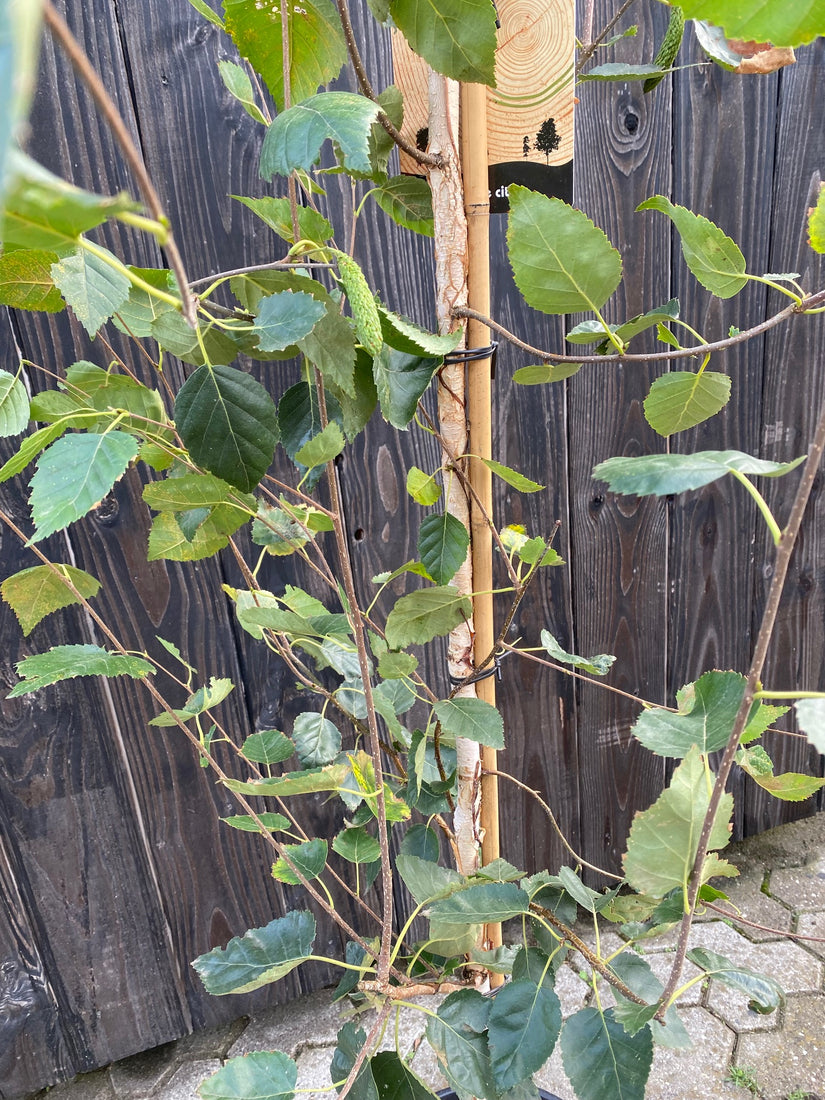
548 138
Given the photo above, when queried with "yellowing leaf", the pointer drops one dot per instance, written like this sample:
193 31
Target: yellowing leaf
34 593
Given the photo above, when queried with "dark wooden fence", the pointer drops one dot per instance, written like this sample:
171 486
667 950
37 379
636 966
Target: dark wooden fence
114 870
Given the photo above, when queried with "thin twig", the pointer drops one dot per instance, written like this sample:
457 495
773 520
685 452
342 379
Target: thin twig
762 927
588 51
107 108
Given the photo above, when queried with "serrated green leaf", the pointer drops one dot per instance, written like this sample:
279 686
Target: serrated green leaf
713 258
33 444
176 494
317 740
705 718
260 956
816 223
203 9
26 280
682 399
644 321
239 84
472 719
422 487
382 145
617 70
406 336
74 474
228 422
488 903
788 787
665 474
267 747
278 531
284 318
810 717
91 286
329 778
36 592
309 858
599 665
458 1036
174 335
422 842
356 845
210 695
395 1081
295 137
396 666
322 448
262 1075
562 263
316 44
715 44
602 1061
43 211
512 477
351 1039
14 404
212 528
299 421
589 332
525 1021
664 839
408 200
765 995
637 975
542 373
64 662
455 37
277 214
773 21
246 824
420 616
443 542
401 380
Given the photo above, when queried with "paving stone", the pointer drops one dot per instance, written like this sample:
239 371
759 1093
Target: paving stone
135 1078
798 1061
313 1072
183 1084
795 969
747 896
88 1086
286 1026
812 924
571 990
788 845
803 888
687 1074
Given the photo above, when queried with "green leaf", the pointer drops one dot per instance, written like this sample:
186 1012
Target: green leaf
277 531
660 315
617 70
705 718
211 533
455 37
457 1035
316 44
512 477
488 903
666 474
472 719
561 261
598 665
285 318
20 26
260 956
205 697
420 616
351 1039
262 1075
174 335
682 399
401 380
310 858
637 975
322 448
277 214
602 1061
773 21
395 1081
36 592
239 85
810 717
714 258
397 666
299 420
542 373
43 211
422 487
88 385
443 542
525 1021
91 286
267 747
317 740
26 280
425 879
74 474
391 102
246 824
329 778
64 662
816 223
422 842
14 404
228 422
408 200
356 845
788 787
715 44
177 494
405 335
764 994
295 137
664 839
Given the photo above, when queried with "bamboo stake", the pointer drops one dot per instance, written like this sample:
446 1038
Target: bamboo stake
479 403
